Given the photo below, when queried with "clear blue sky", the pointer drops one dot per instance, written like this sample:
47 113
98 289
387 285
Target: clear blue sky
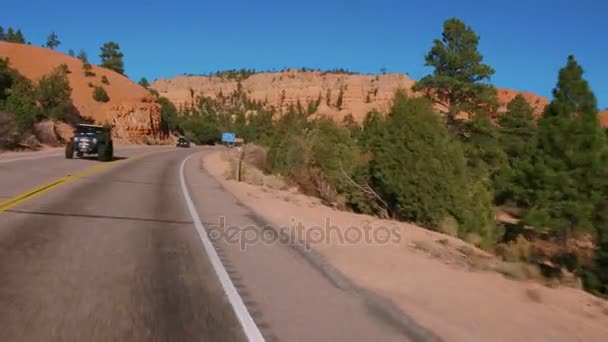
525 41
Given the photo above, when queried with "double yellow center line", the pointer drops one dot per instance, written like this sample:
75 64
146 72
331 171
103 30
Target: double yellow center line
14 201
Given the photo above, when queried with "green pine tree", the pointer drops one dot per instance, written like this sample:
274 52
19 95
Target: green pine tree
82 55
2 34
372 131
10 35
457 81
19 38
349 121
111 57
570 170
240 125
485 157
422 173
261 126
517 137
144 82
52 41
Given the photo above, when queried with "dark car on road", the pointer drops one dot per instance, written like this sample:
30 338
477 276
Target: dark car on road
183 142
91 140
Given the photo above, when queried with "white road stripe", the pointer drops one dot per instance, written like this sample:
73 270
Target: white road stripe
249 327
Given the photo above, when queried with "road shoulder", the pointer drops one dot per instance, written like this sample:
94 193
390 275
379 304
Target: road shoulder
454 300
286 282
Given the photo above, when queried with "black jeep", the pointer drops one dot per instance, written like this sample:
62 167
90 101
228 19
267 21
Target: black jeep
182 142
91 139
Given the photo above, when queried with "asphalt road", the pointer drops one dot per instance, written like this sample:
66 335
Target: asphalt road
115 255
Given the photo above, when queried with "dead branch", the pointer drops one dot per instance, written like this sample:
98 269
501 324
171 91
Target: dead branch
367 190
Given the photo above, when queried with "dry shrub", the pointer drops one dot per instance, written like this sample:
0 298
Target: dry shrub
251 175
275 182
255 156
324 189
514 251
428 247
473 239
466 250
444 242
480 263
518 270
448 225
9 134
230 174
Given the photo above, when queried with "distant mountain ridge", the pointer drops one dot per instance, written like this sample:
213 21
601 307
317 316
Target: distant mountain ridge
340 93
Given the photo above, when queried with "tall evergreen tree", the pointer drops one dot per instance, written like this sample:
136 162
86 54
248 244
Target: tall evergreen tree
19 38
372 131
2 34
517 138
10 35
111 57
144 82
457 81
82 55
71 53
435 185
485 157
261 126
349 122
570 170
239 125
52 41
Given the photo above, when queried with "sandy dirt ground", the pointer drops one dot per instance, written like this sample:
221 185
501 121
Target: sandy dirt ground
424 273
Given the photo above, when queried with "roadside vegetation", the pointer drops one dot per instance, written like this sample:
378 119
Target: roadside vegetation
427 163
25 103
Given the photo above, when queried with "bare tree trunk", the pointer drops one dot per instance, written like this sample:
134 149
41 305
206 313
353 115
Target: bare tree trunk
369 191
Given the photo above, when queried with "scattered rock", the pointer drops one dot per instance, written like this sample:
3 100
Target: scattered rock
534 295
45 131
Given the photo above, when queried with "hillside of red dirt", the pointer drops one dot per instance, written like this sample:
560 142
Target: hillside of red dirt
132 110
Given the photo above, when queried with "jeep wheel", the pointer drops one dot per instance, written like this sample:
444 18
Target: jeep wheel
69 150
111 152
102 152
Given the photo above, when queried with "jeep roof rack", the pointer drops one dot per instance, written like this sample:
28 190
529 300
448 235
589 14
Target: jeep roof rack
89 125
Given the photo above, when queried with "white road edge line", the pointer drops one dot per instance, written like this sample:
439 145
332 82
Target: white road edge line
60 154
29 158
251 330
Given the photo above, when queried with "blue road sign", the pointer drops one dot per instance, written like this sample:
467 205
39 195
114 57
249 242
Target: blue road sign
228 137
